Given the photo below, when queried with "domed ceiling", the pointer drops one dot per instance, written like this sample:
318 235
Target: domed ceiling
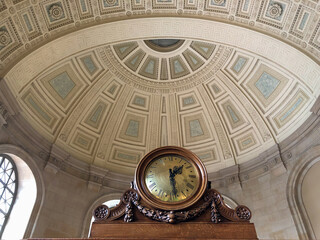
108 94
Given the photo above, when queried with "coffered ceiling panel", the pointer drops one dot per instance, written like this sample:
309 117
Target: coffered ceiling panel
108 81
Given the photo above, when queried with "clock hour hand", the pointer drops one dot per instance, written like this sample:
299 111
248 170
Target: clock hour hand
176 170
173 185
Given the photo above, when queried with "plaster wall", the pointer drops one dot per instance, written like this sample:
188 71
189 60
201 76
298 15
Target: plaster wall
67 201
266 198
310 196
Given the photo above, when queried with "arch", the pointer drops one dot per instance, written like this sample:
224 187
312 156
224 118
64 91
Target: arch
88 216
294 192
17 154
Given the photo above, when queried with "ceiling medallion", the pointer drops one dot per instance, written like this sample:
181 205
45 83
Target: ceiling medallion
164 45
56 11
275 10
4 38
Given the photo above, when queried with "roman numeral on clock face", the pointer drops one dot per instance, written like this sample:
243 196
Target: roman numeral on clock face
152 186
190 186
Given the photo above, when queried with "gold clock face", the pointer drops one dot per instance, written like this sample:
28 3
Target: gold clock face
171 178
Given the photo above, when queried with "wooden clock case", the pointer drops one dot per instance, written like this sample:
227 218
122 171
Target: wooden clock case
203 216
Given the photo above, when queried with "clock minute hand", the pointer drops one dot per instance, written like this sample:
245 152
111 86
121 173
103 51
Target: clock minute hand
173 181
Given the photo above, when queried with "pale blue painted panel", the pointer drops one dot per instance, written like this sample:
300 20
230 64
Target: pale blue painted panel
96 115
232 114
28 23
188 101
83 5
150 67
246 5
62 84
139 101
247 142
304 20
294 107
195 128
126 156
39 109
239 64
205 156
177 67
133 128
267 84
91 67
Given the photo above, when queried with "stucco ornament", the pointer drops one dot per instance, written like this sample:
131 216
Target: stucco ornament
275 10
56 11
4 38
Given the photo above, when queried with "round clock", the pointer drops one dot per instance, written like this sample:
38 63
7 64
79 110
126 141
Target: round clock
171 178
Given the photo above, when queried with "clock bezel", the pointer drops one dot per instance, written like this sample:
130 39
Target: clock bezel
157 203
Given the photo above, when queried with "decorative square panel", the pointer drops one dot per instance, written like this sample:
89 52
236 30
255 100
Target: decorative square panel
204 49
188 101
56 13
208 155
84 8
112 90
220 6
133 129
63 85
164 3
291 109
177 67
239 65
246 142
83 141
191 4
150 67
302 21
40 111
266 84
29 23
232 115
138 4
125 155
124 49
140 101
195 129
9 39
90 65
111 6
96 115
194 61
274 12
315 38
135 59
216 89
244 8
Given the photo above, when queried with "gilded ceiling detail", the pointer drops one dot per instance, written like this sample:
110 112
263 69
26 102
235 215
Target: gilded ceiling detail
109 103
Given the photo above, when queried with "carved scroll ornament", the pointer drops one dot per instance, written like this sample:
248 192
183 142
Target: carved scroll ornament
212 199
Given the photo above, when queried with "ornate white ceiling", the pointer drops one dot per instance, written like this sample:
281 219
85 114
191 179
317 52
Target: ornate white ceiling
228 93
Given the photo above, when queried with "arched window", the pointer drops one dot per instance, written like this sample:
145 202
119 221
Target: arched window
8 189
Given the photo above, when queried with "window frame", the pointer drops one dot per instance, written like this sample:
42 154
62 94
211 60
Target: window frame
15 171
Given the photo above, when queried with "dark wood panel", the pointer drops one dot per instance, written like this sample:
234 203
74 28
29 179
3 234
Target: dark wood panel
183 230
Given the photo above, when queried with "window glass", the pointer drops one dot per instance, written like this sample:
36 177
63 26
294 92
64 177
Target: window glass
8 189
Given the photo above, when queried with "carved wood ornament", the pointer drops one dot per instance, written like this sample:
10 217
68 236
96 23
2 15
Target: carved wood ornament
179 172
212 200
